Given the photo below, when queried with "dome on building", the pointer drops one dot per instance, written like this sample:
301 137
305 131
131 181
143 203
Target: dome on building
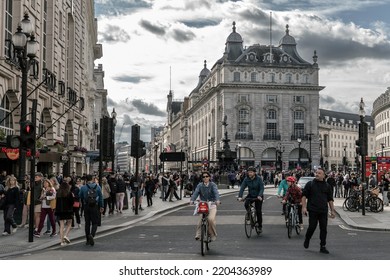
234 37
202 76
288 39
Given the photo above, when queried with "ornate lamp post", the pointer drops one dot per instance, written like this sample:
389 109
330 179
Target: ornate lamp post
113 116
299 151
26 51
238 149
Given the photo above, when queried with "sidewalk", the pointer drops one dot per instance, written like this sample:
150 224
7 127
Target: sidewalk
17 243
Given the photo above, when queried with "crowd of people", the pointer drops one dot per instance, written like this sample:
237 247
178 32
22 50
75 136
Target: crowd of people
60 202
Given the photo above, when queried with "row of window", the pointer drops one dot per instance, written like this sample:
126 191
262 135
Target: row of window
271 77
271 98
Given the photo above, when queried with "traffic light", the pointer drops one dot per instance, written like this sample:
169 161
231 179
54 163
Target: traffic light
135 135
141 148
362 142
27 135
358 147
107 137
13 141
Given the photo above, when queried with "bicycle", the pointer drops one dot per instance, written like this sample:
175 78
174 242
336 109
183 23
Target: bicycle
250 222
202 207
354 202
292 219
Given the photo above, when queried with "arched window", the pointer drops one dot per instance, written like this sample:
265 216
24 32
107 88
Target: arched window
5 109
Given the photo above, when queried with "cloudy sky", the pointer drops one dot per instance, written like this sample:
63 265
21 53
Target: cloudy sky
145 42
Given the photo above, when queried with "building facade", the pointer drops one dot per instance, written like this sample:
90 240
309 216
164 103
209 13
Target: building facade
338 134
381 116
66 32
269 98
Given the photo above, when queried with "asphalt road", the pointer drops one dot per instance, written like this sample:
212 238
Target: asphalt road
171 236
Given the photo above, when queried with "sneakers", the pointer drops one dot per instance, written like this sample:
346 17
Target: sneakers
197 237
5 233
66 240
47 232
324 250
62 243
213 238
37 234
301 226
14 230
306 243
53 234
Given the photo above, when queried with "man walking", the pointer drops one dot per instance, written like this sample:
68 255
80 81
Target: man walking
92 199
317 194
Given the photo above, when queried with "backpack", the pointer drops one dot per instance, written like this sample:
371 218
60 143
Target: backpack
92 196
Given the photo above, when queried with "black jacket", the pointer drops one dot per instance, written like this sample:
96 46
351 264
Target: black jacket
318 194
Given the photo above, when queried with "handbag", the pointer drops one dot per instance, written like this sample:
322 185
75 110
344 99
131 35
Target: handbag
76 204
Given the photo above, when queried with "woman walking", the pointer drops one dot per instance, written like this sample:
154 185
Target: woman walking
47 197
106 194
75 190
64 211
12 198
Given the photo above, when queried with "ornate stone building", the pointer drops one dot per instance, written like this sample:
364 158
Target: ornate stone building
381 116
270 97
66 32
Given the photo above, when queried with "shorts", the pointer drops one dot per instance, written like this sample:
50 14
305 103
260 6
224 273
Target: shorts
37 208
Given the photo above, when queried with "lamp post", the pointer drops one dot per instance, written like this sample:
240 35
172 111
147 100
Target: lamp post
345 159
208 151
299 151
113 116
382 146
26 51
310 135
238 148
279 152
155 157
363 131
321 157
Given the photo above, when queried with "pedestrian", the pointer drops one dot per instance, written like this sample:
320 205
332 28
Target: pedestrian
26 202
37 201
12 201
282 190
75 189
64 211
48 196
120 193
89 192
106 195
112 203
149 190
316 197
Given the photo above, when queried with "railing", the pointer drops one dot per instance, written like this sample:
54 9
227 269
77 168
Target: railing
244 136
276 137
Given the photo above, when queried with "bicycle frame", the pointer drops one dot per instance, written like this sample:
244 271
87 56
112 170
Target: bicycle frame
292 219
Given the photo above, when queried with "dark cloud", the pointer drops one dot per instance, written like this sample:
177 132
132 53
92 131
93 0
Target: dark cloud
131 79
119 7
256 16
113 34
200 23
183 36
111 102
147 108
330 103
153 28
127 120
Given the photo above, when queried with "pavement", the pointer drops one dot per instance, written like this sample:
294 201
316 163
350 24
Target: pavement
17 243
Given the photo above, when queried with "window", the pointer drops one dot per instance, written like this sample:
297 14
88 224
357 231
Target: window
236 77
243 123
299 130
60 27
253 77
288 78
271 115
42 127
299 99
271 130
298 115
243 115
272 77
8 24
305 79
272 98
5 108
243 98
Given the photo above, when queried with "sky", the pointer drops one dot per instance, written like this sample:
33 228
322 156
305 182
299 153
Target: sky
152 46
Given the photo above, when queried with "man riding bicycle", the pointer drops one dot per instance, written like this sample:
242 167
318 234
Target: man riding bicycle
255 186
207 191
294 196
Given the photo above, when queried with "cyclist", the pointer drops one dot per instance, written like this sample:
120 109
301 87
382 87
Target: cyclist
207 191
294 195
255 186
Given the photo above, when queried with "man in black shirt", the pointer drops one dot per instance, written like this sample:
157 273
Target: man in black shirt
316 196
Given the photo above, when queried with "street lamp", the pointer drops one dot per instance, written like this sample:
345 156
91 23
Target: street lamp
279 152
363 131
155 156
310 134
321 157
299 151
208 151
382 146
345 159
113 116
238 148
26 51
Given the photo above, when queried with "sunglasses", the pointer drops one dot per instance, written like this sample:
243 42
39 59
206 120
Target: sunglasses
206 176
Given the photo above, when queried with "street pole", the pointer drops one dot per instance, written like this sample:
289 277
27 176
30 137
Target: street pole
310 161
155 156
101 152
299 151
208 151
113 115
321 158
32 176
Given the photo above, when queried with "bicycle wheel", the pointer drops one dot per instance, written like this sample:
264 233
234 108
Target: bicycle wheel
297 226
248 225
257 227
203 238
207 236
375 204
289 225
351 203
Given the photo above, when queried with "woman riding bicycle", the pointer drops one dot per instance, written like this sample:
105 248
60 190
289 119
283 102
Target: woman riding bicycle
207 191
294 196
